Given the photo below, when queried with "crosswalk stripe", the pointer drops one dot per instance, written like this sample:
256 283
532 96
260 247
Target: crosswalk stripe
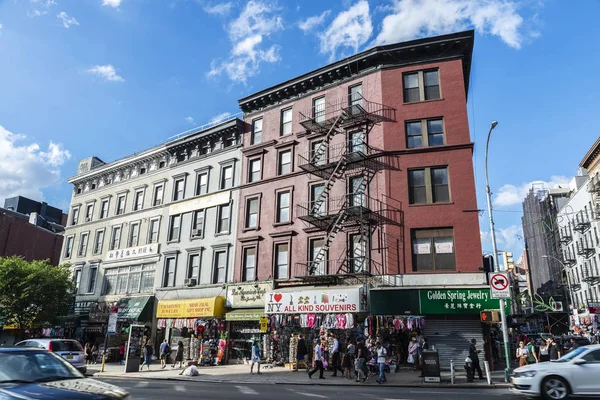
308 394
142 384
246 390
180 388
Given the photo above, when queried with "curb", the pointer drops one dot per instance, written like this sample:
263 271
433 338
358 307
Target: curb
409 385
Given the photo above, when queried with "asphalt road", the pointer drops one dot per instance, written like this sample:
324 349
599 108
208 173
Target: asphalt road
146 389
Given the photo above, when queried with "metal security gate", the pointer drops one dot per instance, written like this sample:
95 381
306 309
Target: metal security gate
452 336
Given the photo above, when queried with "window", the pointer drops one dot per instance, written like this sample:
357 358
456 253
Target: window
356 191
223 219
202 184
169 280
77 279
75 216
134 234
283 207
357 253
252 213
133 279
593 357
92 275
220 266
257 127
254 170
355 95
227 177
285 162
356 142
139 200
104 209
178 190
194 267
434 129
318 152
422 85
174 228
158 195
281 260
286 122
317 262
99 241
69 246
89 212
115 239
121 205
317 204
83 242
428 185
433 249
319 109
198 223
153 231
249 264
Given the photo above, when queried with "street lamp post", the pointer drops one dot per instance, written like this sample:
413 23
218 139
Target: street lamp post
564 267
495 250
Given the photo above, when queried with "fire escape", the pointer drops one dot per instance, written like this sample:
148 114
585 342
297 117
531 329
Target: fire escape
354 163
594 188
589 275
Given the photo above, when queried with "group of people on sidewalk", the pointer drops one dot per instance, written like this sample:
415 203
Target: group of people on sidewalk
165 351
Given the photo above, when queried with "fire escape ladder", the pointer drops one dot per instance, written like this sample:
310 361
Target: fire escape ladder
320 151
337 173
334 228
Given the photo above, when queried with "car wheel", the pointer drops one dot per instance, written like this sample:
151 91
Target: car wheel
555 388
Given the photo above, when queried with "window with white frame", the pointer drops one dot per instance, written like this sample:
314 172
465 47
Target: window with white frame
115 238
249 264
193 271
98 241
158 195
421 85
281 260
223 218
89 212
178 189
220 266
170 266
198 223
285 162
134 234
129 280
138 203
69 246
257 128
283 207
227 177
319 109
174 228
75 216
83 243
286 122
121 204
92 276
153 230
202 183
104 208
254 170
252 212
77 279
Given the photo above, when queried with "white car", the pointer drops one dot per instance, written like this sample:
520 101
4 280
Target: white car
575 374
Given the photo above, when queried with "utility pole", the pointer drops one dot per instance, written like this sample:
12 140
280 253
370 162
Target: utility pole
496 263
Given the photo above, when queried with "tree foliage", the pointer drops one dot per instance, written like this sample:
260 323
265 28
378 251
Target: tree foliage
33 293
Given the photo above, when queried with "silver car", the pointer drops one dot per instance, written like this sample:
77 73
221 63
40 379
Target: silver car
68 349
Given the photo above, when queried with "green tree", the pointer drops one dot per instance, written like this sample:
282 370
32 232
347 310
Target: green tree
33 293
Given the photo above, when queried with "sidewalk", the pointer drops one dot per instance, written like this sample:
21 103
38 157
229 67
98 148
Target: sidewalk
240 374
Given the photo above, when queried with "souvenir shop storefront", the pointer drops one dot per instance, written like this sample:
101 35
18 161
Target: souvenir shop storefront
197 323
247 301
586 323
447 319
315 312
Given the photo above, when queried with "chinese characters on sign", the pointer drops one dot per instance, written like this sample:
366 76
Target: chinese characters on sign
457 301
132 252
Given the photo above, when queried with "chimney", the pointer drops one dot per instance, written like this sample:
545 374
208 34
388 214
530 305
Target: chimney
43 208
33 218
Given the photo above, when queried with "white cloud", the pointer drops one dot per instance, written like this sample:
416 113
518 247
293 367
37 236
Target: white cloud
509 237
509 195
111 3
412 19
247 33
25 169
350 29
219 9
190 120
106 72
67 21
40 7
312 22
219 118
0 29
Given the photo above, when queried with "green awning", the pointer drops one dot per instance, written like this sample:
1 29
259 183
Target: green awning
135 309
395 302
251 314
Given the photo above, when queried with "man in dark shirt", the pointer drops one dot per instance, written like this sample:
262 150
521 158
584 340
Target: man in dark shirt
553 351
300 352
474 356
574 344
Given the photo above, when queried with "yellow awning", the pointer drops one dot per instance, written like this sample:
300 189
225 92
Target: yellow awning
191 308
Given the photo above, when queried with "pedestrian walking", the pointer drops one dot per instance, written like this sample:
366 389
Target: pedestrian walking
301 352
381 354
522 354
553 350
474 356
147 355
360 365
532 358
122 353
94 354
413 347
544 356
88 354
179 355
164 353
335 359
255 358
348 362
318 361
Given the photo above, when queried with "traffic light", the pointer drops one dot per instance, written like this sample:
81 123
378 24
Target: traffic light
510 262
490 317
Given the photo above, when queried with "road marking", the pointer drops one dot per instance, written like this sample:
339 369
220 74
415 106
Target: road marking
308 394
142 384
246 390
180 388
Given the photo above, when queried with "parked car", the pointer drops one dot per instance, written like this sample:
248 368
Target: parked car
574 374
68 349
35 373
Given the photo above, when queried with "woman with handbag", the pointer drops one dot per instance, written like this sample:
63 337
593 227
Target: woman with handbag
412 353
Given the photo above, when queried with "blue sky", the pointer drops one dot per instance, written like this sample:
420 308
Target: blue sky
112 77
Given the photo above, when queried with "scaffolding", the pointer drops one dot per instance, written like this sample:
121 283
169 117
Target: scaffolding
355 213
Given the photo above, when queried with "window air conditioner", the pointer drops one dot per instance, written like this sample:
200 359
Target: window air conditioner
190 282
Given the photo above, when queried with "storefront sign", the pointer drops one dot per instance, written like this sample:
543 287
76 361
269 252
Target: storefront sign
594 308
132 252
457 301
247 295
327 300
131 308
245 315
112 324
264 324
82 307
191 308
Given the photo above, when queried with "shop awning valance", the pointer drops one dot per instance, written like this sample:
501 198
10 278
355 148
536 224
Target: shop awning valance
135 308
191 308
251 314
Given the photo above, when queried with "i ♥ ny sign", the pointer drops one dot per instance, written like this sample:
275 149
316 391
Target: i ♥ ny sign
313 301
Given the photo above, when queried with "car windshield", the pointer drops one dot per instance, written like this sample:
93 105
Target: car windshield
572 354
66 345
34 367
